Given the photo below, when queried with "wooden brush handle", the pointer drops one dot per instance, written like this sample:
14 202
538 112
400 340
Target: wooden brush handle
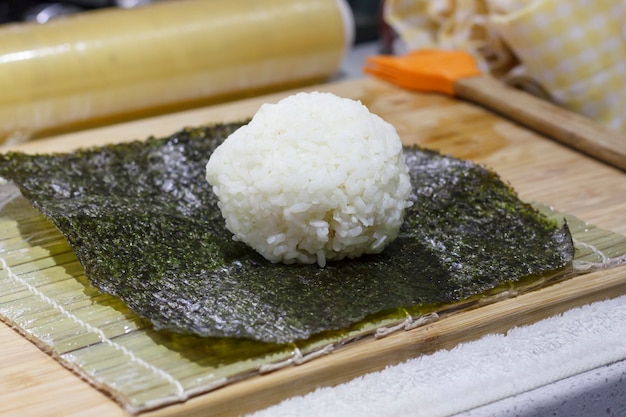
546 118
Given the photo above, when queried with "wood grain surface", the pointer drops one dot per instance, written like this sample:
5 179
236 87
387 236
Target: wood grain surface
31 383
546 118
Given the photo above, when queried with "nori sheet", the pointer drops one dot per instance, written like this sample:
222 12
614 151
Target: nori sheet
145 225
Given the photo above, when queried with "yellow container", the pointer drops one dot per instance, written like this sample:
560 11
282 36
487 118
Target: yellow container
115 62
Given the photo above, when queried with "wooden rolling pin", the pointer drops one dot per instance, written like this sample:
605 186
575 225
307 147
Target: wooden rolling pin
456 73
110 62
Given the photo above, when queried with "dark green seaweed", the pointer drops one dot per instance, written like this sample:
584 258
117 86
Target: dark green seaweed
145 225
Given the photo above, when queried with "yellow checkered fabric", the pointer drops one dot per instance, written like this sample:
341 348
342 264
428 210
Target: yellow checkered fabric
574 49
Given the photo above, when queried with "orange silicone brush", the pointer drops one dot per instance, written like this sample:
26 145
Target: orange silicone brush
456 73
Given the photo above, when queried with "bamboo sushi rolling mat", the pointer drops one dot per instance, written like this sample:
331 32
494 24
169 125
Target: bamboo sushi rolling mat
33 382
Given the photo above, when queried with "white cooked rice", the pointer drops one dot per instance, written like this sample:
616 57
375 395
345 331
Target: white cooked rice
312 178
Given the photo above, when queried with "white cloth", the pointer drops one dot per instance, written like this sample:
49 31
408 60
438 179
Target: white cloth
472 374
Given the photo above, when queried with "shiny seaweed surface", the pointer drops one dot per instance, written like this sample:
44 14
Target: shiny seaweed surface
145 226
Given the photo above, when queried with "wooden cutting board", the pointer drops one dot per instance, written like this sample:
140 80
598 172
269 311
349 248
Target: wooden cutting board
31 383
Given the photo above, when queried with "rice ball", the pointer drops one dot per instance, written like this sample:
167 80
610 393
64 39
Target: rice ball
312 178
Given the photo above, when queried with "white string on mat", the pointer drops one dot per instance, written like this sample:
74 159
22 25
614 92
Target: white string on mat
180 390
605 260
